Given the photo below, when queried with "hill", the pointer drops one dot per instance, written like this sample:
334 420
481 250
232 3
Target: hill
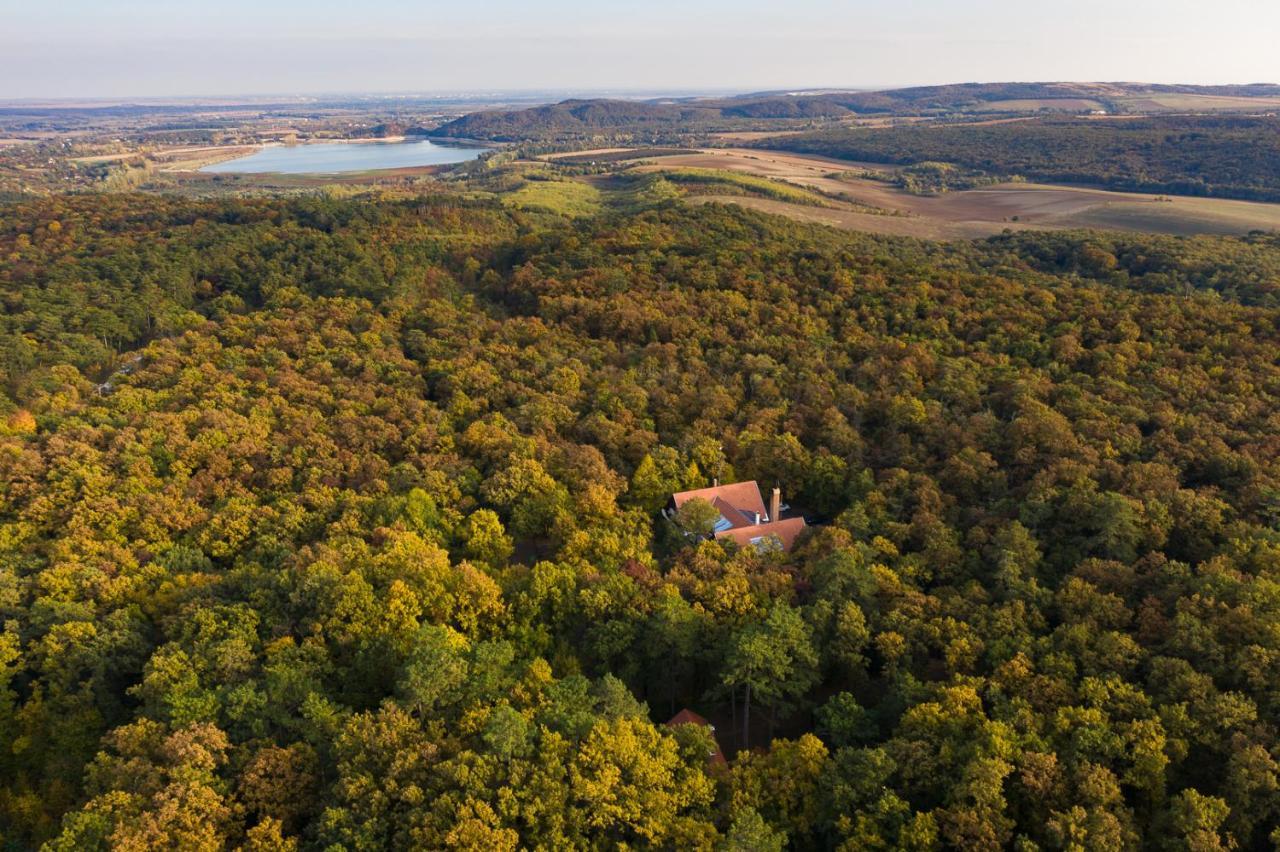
574 118
1222 156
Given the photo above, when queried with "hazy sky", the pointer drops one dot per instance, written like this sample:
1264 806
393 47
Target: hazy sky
120 48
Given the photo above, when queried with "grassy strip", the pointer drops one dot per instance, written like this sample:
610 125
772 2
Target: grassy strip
565 197
723 180
620 156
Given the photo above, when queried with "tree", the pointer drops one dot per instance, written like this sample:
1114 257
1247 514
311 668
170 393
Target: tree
750 833
629 784
154 789
484 538
1197 820
697 517
784 785
656 478
772 661
436 669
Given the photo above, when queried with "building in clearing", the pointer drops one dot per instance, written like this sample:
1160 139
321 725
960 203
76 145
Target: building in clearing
743 517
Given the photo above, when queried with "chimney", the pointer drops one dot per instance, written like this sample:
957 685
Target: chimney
775 506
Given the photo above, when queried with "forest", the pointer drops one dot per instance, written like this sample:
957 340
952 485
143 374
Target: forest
577 120
332 523
1222 156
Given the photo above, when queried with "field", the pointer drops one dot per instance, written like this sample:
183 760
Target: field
972 213
194 158
567 197
806 169
612 155
749 135
850 218
713 181
1181 216
1145 103
1036 104
1198 103
1217 156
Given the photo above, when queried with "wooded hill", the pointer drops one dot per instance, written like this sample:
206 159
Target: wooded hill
360 549
1222 156
576 118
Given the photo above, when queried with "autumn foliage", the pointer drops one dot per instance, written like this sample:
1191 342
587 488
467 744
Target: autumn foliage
333 525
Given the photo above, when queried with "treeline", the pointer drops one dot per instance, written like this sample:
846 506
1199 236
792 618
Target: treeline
576 120
1245 270
939 178
365 555
1227 157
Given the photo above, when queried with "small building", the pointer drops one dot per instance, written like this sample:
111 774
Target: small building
688 717
743 517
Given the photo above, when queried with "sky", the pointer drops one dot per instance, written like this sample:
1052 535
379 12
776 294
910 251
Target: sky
174 48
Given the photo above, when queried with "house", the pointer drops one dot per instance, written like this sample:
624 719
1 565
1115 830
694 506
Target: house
743 517
688 717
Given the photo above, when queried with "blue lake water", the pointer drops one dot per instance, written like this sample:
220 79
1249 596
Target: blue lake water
338 157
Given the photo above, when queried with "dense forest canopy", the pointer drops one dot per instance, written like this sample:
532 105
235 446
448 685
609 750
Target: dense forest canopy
573 117
332 524
1230 157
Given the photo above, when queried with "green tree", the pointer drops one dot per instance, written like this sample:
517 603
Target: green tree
697 517
484 538
773 662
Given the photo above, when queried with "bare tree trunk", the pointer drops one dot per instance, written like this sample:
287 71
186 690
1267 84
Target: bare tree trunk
746 719
733 708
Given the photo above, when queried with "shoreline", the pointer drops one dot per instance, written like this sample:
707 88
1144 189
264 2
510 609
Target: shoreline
198 158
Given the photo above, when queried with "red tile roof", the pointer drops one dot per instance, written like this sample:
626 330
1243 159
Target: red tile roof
741 505
688 717
787 531
730 514
743 497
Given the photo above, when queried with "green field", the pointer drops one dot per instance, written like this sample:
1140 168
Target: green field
566 197
720 181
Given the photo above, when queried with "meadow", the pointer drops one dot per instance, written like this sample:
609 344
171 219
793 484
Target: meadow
853 200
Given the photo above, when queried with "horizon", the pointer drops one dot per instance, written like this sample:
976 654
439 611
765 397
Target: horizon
533 93
137 49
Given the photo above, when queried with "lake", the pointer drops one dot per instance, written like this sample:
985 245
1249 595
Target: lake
337 157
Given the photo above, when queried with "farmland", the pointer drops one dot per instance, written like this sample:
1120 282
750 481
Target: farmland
1217 156
855 191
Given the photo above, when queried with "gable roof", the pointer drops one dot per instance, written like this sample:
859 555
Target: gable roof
730 514
740 498
688 717
786 531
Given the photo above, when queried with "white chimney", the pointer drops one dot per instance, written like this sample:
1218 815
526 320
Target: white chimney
775 506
